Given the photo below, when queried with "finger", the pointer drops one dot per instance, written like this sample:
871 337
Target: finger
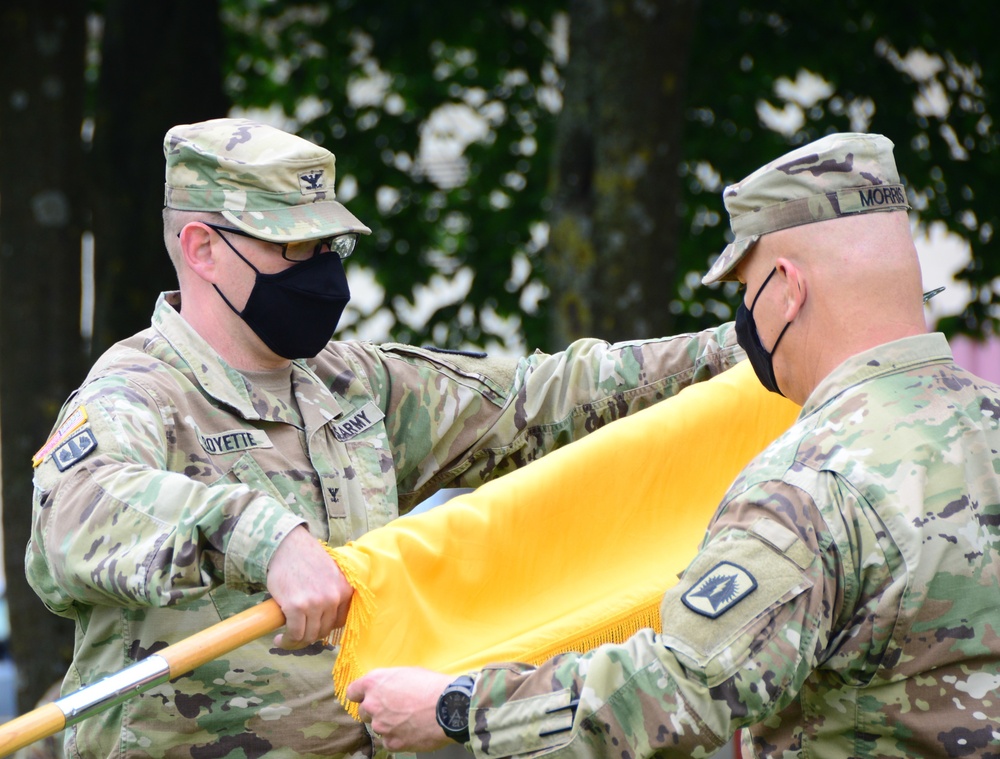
284 641
356 691
328 622
334 621
295 623
310 633
340 618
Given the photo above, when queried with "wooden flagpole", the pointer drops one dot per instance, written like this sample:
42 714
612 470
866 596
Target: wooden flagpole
168 663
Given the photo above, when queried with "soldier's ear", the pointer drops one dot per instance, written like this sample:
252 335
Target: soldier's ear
198 250
794 288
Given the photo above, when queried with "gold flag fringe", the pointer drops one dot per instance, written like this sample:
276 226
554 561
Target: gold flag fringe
614 630
347 669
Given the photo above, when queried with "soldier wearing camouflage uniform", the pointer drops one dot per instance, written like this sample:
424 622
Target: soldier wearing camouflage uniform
198 464
844 602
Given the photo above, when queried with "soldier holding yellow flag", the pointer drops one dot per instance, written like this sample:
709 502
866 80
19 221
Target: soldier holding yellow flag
844 601
202 459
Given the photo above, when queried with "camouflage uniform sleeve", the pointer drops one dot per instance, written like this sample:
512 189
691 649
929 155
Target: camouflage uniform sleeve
123 526
460 420
745 627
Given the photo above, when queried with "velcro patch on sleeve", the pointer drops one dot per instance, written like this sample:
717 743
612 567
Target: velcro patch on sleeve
526 725
728 589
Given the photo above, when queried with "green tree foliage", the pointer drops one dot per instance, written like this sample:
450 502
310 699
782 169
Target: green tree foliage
922 73
365 79
370 81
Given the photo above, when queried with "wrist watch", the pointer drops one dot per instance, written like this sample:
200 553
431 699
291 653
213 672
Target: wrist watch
453 709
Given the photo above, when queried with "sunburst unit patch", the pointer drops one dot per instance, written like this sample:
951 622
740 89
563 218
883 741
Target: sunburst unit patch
719 590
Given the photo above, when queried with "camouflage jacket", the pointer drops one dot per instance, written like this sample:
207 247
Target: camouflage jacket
171 478
844 603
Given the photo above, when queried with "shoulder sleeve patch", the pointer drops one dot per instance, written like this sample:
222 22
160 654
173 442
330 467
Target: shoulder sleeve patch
75 449
719 590
731 588
72 423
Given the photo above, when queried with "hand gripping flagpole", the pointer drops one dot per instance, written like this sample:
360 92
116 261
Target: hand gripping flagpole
168 663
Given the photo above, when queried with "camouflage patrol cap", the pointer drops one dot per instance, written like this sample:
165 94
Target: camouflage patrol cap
838 175
269 183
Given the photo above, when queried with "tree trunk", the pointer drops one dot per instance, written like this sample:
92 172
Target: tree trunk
161 65
41 355
612 253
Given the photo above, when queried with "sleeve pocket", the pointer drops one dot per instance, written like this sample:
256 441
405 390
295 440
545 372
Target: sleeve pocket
733 588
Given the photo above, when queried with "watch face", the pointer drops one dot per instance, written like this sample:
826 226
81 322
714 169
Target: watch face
453 710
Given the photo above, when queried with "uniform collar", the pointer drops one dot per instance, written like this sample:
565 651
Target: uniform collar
317 404
889 358
217 378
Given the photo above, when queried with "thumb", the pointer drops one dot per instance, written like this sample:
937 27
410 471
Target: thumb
356 690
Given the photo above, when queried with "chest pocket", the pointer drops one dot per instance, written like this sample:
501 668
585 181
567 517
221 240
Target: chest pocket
249 472
361 494
295 490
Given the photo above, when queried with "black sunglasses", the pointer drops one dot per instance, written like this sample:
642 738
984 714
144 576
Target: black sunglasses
297 252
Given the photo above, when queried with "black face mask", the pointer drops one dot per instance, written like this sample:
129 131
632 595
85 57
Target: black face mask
295 311
748 338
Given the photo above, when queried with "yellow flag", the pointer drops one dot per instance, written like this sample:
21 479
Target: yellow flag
565 554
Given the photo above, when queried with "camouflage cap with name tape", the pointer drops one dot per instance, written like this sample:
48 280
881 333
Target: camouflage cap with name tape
839 175
271 184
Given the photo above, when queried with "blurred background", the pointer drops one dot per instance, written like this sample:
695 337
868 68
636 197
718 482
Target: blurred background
532 172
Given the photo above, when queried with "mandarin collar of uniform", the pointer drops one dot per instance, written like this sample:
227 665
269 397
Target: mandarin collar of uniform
216 377
226 384
899 355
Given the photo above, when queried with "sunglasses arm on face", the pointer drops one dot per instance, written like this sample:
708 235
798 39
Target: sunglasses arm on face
930 294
